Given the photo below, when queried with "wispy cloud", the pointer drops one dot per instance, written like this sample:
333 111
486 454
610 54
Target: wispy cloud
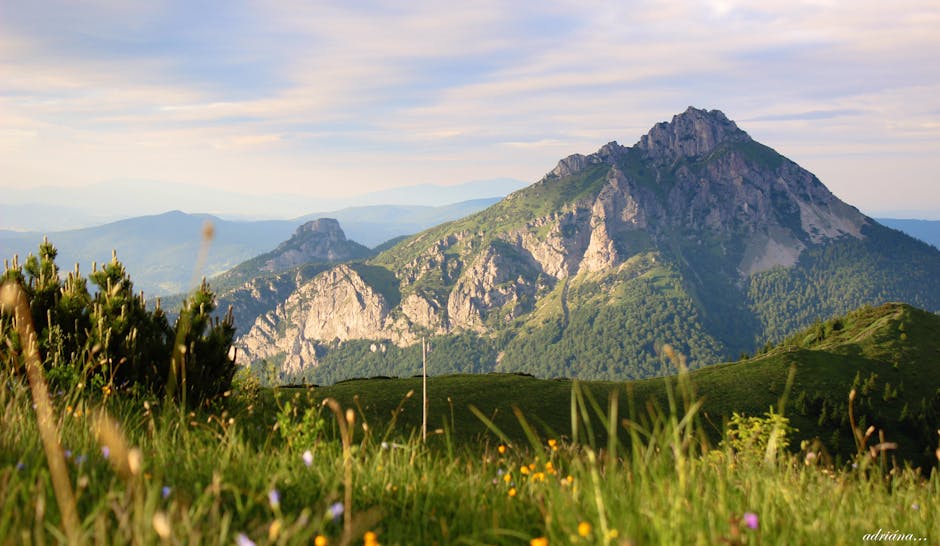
294 95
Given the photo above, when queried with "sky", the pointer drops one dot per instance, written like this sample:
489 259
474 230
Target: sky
331 99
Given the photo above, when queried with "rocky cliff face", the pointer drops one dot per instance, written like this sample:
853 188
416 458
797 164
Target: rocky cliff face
696 186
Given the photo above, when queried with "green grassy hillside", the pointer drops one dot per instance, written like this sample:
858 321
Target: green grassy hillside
888 354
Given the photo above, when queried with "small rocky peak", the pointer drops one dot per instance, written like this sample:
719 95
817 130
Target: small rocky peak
690 134
576 163
327 227
573 164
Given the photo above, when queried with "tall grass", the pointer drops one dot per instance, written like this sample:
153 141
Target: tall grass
298 471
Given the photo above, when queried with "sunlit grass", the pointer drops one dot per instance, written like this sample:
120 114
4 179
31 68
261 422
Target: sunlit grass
255 473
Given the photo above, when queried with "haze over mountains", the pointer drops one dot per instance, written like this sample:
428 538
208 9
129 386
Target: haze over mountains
696 236
161 251
48 209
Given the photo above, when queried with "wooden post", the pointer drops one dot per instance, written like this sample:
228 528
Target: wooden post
424 389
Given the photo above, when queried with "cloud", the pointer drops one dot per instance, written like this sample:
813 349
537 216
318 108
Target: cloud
381 92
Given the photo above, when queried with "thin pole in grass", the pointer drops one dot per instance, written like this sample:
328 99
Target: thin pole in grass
12 297
424 389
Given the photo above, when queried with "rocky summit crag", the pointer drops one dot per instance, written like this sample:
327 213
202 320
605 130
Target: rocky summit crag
696 236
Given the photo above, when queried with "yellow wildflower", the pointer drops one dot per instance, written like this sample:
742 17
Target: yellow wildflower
512 491
320 540
584 529
501 449
540 541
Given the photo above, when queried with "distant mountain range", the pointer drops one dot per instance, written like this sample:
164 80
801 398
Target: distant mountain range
49 209
161 251
697 236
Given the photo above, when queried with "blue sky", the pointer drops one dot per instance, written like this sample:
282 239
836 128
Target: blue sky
319 98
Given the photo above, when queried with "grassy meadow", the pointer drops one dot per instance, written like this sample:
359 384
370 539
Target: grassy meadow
292 467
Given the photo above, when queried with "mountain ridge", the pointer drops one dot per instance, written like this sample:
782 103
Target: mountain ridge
688 237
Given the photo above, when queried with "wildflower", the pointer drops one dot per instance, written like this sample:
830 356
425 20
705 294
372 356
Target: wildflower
106 390
584 529
512 491
335 510
105 451
161 524
539 541
549 467
165 491
538 477
750 519
320 540
274 530
308 458
370 539
553 443
243 540
68 453
524 470
274 499
569 480
501 449
507 478
20 466
915 507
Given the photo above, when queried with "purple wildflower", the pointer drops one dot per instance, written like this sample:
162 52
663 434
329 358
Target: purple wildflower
750 519
274 498
243 540
165 492
336 510
105 451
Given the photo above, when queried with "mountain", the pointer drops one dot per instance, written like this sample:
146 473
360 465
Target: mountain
697 236
927 231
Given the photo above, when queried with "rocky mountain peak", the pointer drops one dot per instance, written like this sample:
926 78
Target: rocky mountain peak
328 227
691 134
320 240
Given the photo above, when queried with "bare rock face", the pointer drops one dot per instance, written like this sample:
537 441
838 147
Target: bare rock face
500 279
337 305
425 312
560 250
